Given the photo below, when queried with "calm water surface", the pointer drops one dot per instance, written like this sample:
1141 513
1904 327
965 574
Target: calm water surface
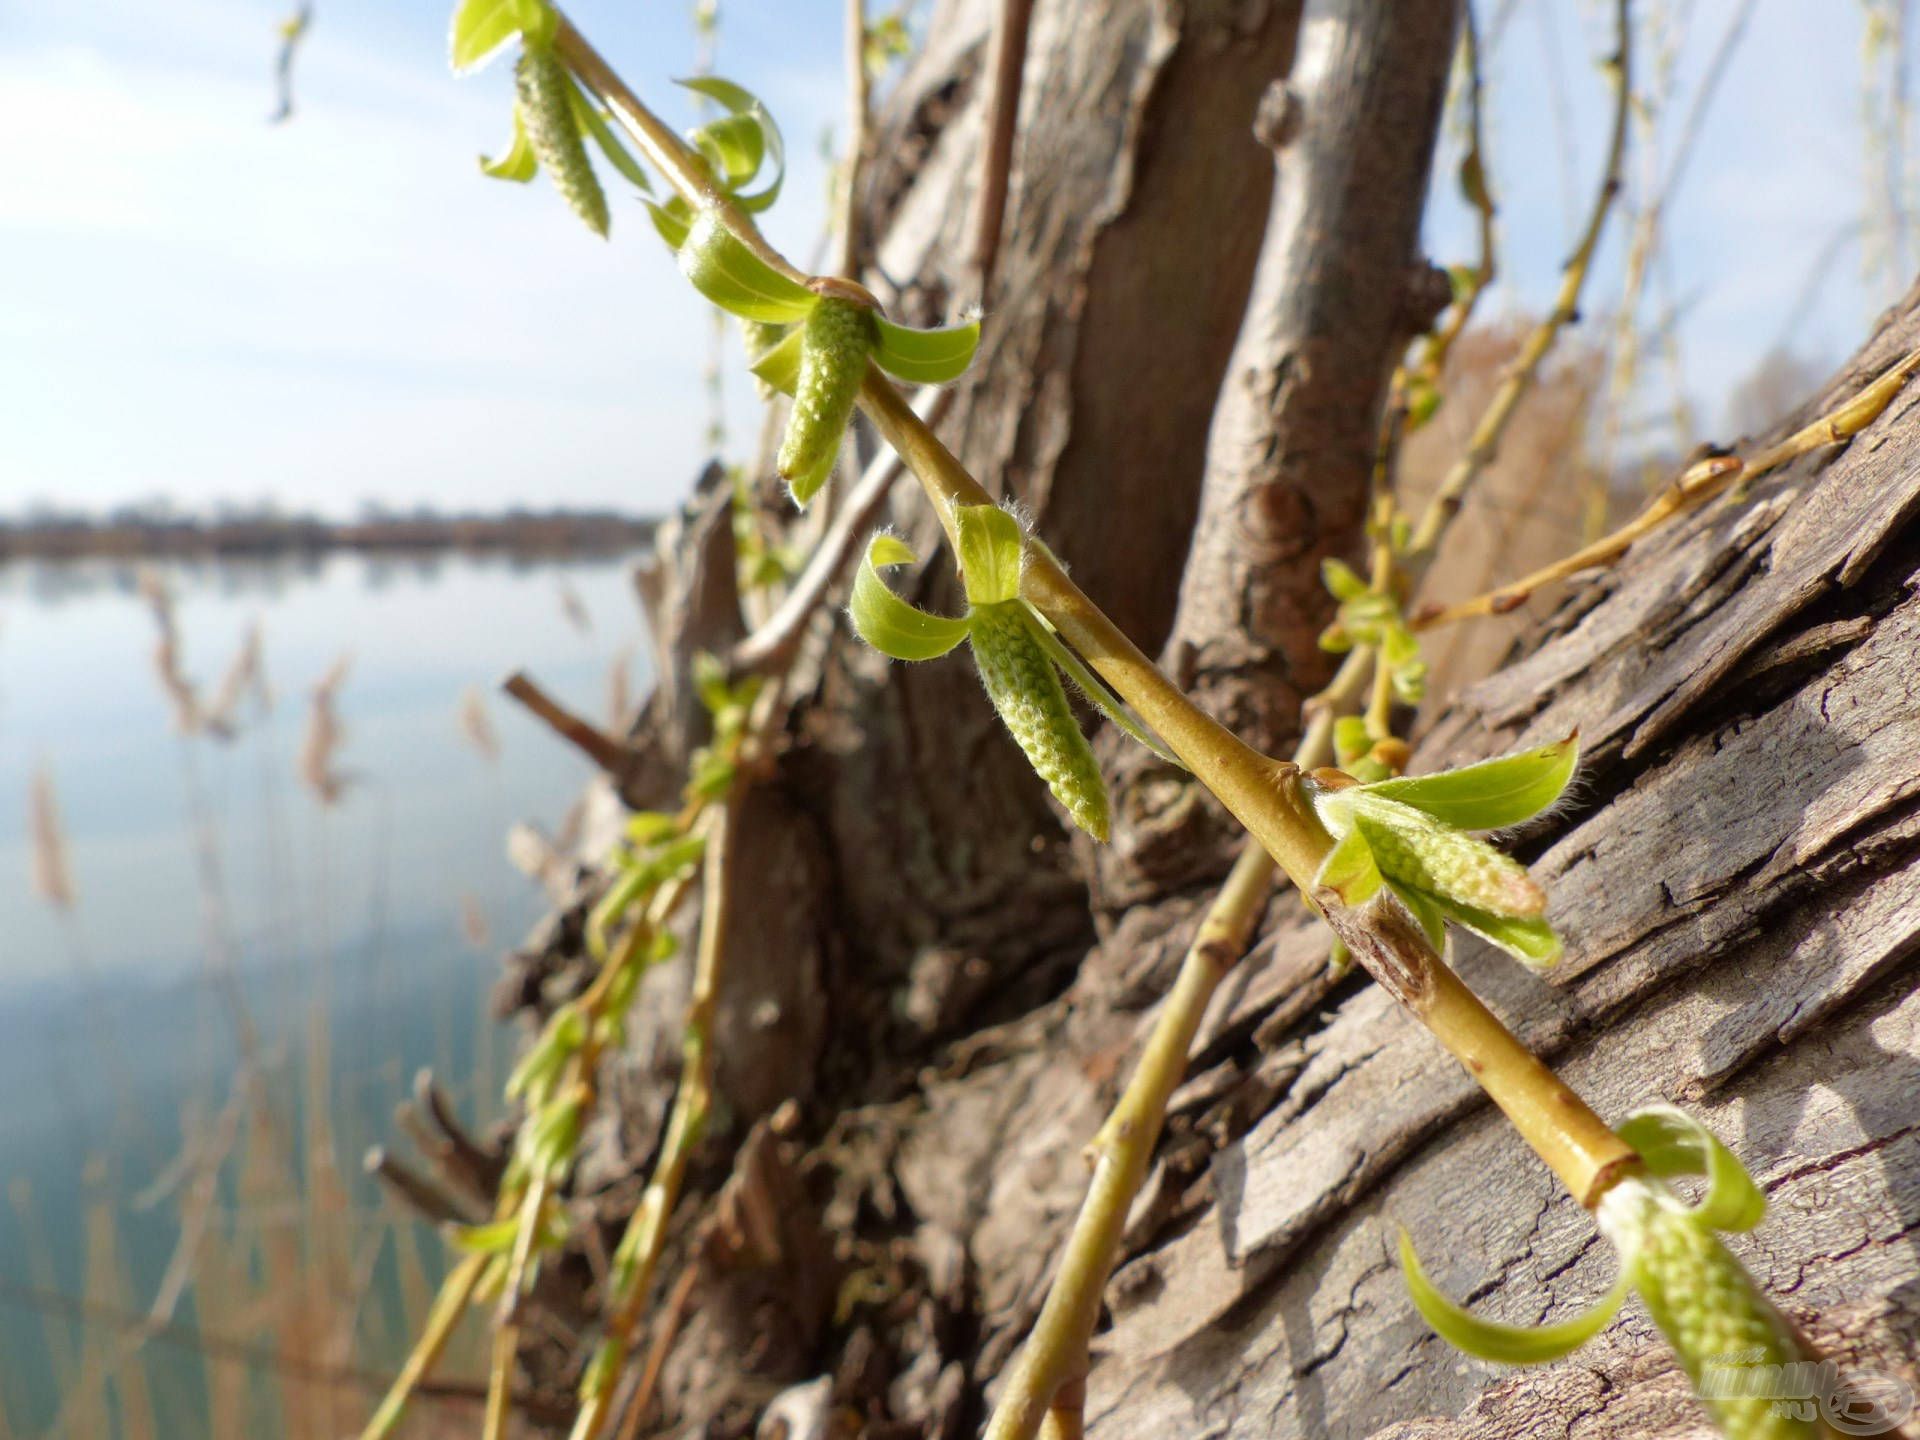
213 890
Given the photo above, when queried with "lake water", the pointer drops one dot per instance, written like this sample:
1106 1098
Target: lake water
208 880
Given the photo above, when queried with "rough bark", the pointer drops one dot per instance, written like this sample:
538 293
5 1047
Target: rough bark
1338 292
1738 889
1737 879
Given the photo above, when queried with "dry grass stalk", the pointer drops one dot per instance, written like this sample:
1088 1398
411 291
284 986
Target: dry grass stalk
179 690
319 748
620 690
476 725
474 927
574 608
245 675
52 874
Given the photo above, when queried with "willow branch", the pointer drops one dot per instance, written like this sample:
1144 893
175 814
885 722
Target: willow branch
1044 1391
1263 794
1698 484
1484 445
448 1306
645 1238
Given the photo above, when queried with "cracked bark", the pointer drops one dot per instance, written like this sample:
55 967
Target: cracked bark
1737 882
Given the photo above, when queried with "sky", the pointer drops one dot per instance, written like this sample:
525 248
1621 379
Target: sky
197 304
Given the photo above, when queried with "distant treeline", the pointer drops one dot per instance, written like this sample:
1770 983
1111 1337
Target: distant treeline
133 535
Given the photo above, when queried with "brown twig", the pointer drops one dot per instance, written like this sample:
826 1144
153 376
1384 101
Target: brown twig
858 106
667 1330
996 154
598 746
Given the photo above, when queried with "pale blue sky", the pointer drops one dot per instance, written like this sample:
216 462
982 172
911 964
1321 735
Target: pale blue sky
200 304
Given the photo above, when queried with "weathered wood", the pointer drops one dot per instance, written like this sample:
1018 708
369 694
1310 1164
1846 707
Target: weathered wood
1742 906
1336 296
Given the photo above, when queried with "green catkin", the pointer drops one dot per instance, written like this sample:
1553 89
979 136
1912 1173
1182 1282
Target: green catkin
1721 1328
839 336
1026 690
546 109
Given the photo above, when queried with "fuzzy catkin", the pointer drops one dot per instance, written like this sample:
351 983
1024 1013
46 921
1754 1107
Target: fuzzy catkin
1723 1331
1026 690
546 110
839 336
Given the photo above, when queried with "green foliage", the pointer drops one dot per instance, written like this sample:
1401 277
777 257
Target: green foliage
726 270
483 28
1410 833
1491 1340
1367 616
518 164
1697 1292
889 624
1015 652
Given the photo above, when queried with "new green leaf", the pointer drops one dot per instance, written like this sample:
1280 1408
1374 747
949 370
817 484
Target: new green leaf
1673 1143
990 552
744 104
732 276
518 164
888 623
1491 1340
926 357
593 122
1493 794
483 28
1527 938
1349 870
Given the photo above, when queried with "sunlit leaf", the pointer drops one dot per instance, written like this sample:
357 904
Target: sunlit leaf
779 367
1528 939
1351 739
1095 689
1493 794
483 28
888 623
488 1239
646 827
1432 921
1341 579
518 164
926 357
1491 1340
594 123
737 100
732 276
1673 1143
734 145
1349 870
990 552
672 220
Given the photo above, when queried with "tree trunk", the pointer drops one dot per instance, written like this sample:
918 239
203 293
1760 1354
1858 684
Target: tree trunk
915 963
